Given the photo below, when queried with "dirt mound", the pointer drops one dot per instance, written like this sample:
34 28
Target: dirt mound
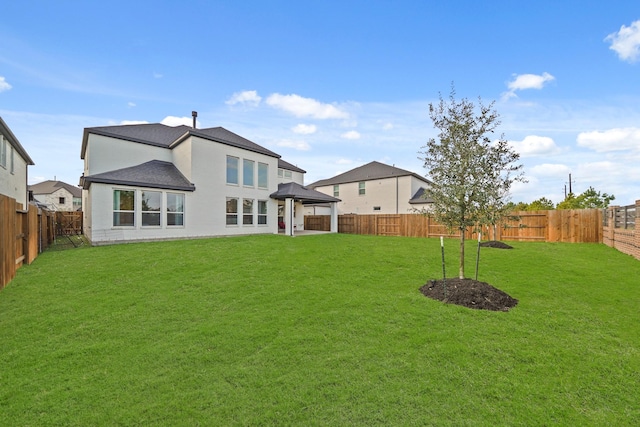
495 244
469 293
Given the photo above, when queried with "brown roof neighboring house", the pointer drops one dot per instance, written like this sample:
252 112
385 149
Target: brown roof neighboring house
50 187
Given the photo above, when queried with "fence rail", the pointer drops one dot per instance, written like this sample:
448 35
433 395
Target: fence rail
24 233
581 225
619 228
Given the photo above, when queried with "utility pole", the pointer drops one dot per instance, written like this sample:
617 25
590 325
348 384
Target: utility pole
570 189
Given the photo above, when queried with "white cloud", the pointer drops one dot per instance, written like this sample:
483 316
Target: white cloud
527 81
352 134
610 140
305 107
131 104
295 144
304 129
387 126
248 97
344 162
4 85
134 122
533 145
550 170
157 76
177 121
626 42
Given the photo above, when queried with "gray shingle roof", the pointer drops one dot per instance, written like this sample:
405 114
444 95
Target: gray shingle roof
420 197
160 135
292 190
286 165
153 174
370 171
49 187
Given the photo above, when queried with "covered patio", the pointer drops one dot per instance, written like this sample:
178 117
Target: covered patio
289 194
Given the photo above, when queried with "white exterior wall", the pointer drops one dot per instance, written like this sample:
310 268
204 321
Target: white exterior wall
392 195
203 162
53 199
104 154
14 184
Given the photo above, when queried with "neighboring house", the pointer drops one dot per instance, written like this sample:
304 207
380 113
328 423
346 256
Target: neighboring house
57 195
14 161
374 188
152 181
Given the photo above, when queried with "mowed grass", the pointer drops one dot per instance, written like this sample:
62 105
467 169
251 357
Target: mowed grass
318 330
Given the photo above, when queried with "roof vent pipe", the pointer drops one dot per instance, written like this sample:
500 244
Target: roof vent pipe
194 114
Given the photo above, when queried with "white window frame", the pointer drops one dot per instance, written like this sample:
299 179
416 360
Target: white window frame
336 190
247 211
230 213
262 216
230 170
123 211
361 188
152 212
248 176
264 168
177 213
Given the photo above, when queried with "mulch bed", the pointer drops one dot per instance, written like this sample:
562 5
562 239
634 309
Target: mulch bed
469 293
495 244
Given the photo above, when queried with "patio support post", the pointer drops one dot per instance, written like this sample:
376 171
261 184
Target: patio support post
288 217
334 218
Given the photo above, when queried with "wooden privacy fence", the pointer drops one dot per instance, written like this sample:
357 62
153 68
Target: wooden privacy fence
579 226
68 223
23 235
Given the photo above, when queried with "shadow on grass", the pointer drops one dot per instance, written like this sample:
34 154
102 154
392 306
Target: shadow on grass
74 241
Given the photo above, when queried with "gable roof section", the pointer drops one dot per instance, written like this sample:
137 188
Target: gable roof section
159 135
292 190
286 165
4 130
49 187
153 174
420 198
368 172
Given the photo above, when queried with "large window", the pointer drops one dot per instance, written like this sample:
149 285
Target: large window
361 188
232 211
262 212
124 202
248 167
151 204
175 209
263 175
232 170
247 212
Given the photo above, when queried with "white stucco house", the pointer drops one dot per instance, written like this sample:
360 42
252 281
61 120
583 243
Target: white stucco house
14 162
374 188
152 181
57 195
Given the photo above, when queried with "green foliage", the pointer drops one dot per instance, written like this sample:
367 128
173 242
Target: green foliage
317 330
590 199
541 204
472 173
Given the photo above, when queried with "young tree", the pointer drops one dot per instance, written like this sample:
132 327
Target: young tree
470 171
590 199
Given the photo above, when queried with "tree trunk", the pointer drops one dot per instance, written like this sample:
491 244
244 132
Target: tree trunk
461 272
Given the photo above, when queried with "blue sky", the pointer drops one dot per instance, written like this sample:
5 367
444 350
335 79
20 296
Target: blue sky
332 85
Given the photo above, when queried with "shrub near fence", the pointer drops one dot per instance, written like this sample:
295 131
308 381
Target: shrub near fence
23 235
619 228
581 225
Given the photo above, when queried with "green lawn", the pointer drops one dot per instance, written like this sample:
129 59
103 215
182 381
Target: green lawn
318 330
